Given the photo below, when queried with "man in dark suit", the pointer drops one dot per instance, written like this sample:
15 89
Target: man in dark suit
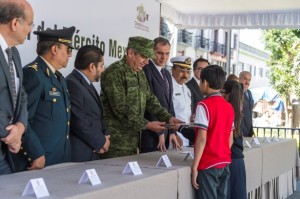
46 141
160 83
88 133
194 83
16 20
246 124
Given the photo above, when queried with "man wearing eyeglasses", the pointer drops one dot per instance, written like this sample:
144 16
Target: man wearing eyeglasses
46 141
194 83
181 97
16 17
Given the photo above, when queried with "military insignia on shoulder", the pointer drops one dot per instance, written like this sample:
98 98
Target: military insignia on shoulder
34 66
48 72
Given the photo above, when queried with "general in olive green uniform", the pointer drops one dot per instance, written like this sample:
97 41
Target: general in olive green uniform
126 96
48 107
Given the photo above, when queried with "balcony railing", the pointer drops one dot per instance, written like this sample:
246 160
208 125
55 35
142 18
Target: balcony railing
164 30
218 48
279 132
185 37
201 42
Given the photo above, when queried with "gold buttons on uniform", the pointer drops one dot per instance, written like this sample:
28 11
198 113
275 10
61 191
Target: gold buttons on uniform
25 153
67 136
67 110
68 123
29 159
54 100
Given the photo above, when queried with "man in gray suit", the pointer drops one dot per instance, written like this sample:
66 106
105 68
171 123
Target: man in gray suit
16 21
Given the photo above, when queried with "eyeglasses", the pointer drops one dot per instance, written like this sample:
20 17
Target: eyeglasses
69 49
188 71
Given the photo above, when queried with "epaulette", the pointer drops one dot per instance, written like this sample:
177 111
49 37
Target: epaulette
34 66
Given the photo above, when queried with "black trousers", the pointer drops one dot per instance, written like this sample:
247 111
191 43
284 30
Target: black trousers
237 179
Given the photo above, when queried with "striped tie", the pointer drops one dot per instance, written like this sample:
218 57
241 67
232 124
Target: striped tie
12 76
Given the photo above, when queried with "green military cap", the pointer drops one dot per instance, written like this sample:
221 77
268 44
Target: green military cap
183 61
60 35
142 45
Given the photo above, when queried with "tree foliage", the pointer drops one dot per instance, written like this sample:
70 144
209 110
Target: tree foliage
284 46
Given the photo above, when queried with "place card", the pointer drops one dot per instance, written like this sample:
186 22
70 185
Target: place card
189 154
247 144
132 168
90 175
255 141
164 161
275 139
267 140
37 187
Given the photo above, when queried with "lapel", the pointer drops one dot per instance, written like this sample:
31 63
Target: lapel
93 92
4 65
49 74
159 78
195 85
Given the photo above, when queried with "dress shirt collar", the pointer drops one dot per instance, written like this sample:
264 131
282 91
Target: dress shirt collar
49 65
197 80
3 45
85 77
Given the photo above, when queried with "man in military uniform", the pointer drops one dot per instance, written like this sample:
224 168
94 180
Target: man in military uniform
46 141
126 96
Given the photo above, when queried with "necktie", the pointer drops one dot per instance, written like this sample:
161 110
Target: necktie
163 72
12 76
58 76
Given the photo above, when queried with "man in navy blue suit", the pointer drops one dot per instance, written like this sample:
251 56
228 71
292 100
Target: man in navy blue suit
16 21
160 83
89 135
194 83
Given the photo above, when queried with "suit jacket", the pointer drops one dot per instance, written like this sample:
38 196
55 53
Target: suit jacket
246 124
196 93
7 113
149 139
87 125
48 117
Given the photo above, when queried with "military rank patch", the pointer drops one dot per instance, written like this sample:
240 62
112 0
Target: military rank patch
34 66
48 72
177 94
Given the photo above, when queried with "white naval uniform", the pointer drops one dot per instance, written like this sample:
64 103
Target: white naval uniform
182 105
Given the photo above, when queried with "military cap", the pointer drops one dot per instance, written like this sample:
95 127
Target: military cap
183 61
141 45
60 35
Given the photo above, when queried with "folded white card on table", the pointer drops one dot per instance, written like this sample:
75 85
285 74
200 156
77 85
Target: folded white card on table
255 141
189 154
90 175
132 168
37 187
267 140
247 144
164 161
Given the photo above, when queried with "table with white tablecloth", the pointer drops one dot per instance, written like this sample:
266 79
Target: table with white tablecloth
268 166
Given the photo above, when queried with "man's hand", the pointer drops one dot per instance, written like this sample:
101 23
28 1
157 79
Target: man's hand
156 126
161 143
38 163
13 139
174 120
173 140
106 145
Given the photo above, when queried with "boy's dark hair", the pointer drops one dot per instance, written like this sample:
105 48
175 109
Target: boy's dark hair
214 75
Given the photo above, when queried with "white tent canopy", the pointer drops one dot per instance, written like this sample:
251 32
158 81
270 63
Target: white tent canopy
233 14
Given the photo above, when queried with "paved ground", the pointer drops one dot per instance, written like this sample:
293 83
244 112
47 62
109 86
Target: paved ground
296 194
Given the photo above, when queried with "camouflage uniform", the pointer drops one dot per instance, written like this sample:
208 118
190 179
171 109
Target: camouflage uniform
126 96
